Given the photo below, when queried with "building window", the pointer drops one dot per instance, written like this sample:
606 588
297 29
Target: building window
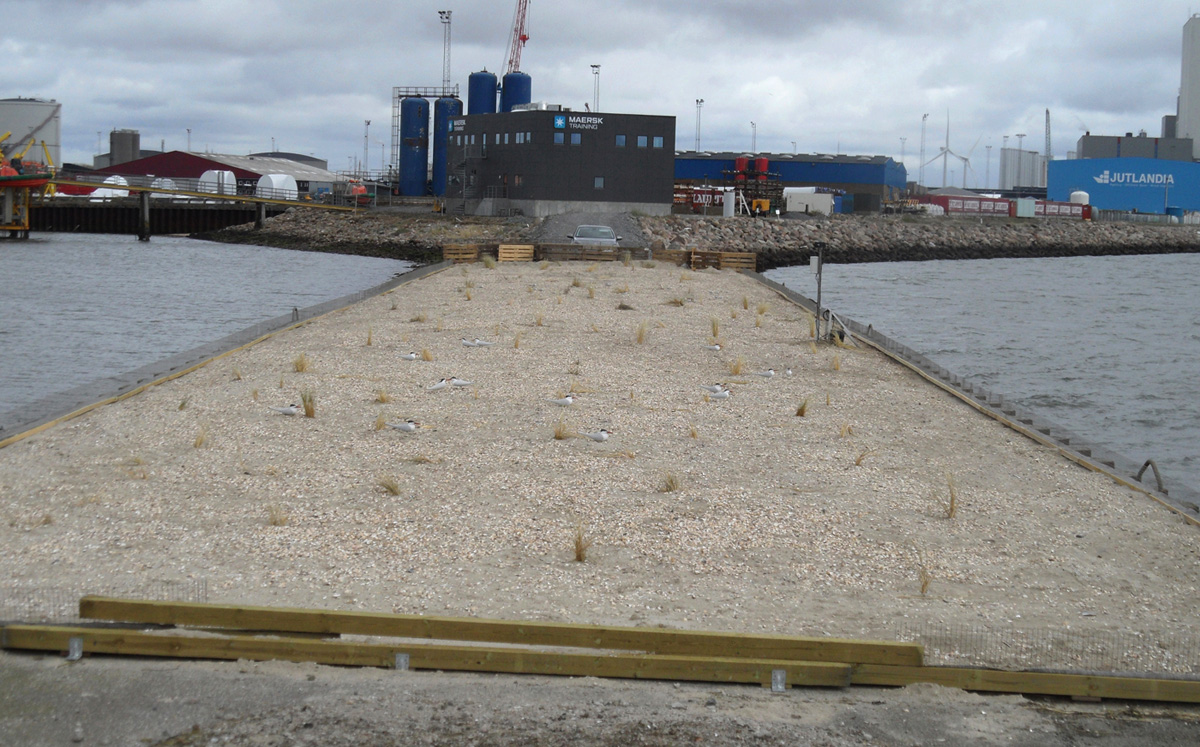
641 141
559 138
520 137
516 180
576 138
472 140
529 137
506 138
599 183
658 141
497 138
620 141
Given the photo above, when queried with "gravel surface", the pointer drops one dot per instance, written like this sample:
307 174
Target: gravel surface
830 523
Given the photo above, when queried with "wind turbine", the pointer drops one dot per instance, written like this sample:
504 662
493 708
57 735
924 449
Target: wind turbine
944 153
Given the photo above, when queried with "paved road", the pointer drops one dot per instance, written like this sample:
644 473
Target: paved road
556 228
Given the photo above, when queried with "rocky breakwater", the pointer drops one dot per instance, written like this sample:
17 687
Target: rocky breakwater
373 233
783 241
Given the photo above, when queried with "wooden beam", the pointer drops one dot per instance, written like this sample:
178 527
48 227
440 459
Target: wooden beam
1031 683
426 656
653 640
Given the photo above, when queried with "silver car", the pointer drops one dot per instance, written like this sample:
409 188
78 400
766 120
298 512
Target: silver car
594 236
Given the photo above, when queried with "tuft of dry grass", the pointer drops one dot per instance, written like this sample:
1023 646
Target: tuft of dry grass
301 363
670 483
812 330
562 431
676 301
558 300
623 289
370 336
183 403
758 320
237 374
395 304
467 293
426 355
422 459
627 258
389 484
539 319
733 313
517 340
693 432
862 455
489 261
746 302
420 317
761 308
847 431
469 284
641 332
380 422
922 571
281 381
543 264
574 369
952 506
438 327
737 366
382 397
582 543
591 291
201 438
276 516
594 328
802 410
593 267
576 282
716 327
827 399
649 264
837 363
254 394
309 400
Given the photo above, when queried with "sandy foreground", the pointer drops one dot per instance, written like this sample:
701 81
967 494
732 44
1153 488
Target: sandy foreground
828 523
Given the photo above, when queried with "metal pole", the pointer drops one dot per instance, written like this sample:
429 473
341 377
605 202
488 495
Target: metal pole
596 93
699 103
820 246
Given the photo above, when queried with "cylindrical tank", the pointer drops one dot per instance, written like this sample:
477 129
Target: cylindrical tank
414 145
1079 197
481 93
761 165
124 146
517 90
33 119
444 110
740 165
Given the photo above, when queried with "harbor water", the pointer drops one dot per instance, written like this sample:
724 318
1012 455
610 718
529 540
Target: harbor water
76 308
1107 347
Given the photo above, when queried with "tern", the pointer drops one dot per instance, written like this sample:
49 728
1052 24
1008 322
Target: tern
788 372
715 347
600 435
408 426
455 381
714 388
723 394
440 385
765 374
411 356
289 410
468 344
483 343
562 402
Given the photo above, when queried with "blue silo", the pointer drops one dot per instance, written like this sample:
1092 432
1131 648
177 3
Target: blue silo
517 90
414 145
444 110
481 93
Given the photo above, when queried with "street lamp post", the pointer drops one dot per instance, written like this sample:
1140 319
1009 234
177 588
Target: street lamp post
793 147
987 179
753 138
699 103
596 93
366 141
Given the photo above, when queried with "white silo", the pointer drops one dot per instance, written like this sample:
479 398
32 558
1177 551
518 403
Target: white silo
34 120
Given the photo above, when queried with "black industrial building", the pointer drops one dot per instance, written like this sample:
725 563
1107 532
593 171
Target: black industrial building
541 162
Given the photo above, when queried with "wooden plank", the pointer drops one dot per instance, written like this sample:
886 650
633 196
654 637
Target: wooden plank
737 260
1031 683
427 656
653 640
515 252
674 256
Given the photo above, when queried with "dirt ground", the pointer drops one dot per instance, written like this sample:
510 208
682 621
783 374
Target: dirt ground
45 700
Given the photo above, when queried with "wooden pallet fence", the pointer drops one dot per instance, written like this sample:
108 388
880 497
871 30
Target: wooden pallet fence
459 253
515 253
580 253
674 256
650 640
723 260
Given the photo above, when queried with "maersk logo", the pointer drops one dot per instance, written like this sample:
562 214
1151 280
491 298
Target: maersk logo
560 122
1133 179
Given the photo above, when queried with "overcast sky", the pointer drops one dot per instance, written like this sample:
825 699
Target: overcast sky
830 77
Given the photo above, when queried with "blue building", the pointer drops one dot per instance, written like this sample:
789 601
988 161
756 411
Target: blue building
1144 185
870 179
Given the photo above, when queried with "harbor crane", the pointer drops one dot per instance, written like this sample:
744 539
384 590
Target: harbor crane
519 37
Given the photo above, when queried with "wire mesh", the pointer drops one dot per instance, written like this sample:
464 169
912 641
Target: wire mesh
60 604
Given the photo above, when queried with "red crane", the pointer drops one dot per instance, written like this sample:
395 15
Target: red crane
519 37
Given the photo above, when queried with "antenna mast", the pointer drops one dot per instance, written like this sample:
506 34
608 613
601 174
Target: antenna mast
445 16
519 37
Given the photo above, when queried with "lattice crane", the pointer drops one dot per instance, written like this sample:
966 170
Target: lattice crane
519 37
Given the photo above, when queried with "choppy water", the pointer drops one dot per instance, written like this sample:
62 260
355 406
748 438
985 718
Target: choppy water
75 308
1108 347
